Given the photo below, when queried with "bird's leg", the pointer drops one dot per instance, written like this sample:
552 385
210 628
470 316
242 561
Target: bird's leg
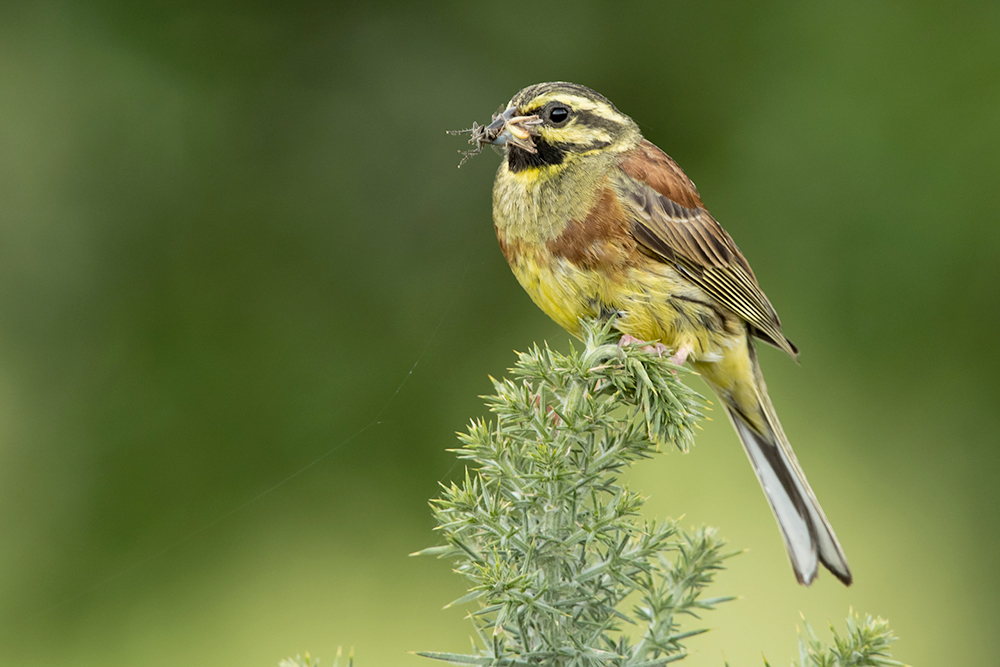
681 355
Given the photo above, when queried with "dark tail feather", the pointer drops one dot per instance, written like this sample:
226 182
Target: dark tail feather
804 527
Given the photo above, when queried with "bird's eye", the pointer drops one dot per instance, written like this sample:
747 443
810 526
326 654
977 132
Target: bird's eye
558 115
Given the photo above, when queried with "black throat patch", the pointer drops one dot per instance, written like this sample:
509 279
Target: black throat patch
519 159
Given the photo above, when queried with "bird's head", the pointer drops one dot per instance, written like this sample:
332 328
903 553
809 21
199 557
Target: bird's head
549 126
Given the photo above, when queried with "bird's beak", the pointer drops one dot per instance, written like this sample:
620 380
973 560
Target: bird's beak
507 129
510 129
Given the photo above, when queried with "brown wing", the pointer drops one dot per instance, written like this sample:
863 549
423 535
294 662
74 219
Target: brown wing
671 224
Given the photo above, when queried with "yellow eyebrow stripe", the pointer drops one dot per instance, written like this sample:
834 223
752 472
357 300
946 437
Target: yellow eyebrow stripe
580 104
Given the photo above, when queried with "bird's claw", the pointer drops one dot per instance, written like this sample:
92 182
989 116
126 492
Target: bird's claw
658 348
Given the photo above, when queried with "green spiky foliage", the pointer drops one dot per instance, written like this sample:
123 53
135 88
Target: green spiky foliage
564 569
866 644
309 661
300 661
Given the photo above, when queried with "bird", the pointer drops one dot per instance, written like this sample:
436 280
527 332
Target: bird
596 222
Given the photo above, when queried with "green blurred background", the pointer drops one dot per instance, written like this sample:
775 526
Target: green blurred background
230 231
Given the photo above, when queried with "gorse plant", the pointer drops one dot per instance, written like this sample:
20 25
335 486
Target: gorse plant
309 661
865 644
552 542
564 570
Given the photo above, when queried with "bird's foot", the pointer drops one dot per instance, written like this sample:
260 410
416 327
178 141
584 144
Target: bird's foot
658 348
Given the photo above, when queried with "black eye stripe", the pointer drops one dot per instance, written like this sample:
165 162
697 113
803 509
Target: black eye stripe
591 119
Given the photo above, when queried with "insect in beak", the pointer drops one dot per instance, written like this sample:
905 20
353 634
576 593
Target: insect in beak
507 129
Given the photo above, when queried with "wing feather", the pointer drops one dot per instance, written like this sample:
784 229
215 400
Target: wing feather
670 222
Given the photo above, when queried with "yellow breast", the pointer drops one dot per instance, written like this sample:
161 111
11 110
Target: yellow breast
651 300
